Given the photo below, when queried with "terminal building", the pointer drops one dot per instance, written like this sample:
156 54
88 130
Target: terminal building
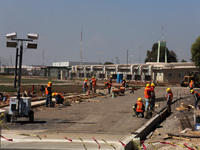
150 71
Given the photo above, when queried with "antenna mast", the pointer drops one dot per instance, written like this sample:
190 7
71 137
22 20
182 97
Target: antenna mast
81 48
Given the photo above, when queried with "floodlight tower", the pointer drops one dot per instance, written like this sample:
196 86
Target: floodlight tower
13 42
162 43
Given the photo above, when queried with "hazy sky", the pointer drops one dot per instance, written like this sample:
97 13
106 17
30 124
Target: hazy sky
110 27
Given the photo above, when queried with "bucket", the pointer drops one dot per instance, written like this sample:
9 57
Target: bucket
113 95
136 142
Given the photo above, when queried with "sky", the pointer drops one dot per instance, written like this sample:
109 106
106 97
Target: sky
109 27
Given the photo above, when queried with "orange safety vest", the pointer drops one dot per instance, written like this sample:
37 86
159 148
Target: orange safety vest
169 96
147 92
191 84
139 107
47 91
94 82
59 94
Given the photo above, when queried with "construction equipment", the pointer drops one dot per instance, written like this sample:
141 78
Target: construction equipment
191 76
20 108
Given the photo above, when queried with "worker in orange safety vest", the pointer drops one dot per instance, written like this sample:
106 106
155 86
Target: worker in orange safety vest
94 83
196 97
147 95
48 94
191 84
169 100
109 85
59 98
139 108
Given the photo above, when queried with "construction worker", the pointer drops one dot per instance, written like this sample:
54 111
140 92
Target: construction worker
110 80
109 85
94 82
152 105
196 97
48 94
191 85
139 108
169 100
123 82
147 95
59 98
85 85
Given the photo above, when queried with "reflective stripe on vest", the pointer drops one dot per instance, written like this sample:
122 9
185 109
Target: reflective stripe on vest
139 107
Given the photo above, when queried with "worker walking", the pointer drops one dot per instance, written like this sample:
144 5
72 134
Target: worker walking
59 98
153 96
85 86
191 85
139 108
109 85
169 100
196 97
48 94
147 95
94 82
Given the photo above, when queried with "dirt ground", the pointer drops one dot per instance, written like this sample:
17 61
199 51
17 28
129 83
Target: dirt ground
109 116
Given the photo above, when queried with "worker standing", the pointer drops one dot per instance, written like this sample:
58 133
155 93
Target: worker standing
94 82
169 100
196 97
59 98
191 85
152 106
139 108
48 94
123 82
110 80
147 95
85 86
109 85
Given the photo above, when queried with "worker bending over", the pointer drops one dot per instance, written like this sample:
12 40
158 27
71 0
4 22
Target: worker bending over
109 85
169 100
139 108
59 98
196 97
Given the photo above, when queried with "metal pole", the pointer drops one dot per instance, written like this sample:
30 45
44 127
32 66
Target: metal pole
16 62
19 76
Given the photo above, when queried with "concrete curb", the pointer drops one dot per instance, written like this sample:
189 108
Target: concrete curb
143 131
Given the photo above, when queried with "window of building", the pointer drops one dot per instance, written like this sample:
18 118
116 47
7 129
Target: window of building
169 75
181 75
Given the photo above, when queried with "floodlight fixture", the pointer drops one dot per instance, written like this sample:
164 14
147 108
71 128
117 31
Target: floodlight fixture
11 35
31 45
11 44
33 36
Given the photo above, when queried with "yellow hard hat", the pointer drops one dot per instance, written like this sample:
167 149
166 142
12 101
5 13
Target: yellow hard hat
85 79
148 85
168 90
192 91
152 84
49 82
110 76
53 94
139 99
191 80
93 77
123 78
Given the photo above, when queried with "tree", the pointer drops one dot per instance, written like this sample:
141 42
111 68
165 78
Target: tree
183 60
195 51
152 55
108 63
